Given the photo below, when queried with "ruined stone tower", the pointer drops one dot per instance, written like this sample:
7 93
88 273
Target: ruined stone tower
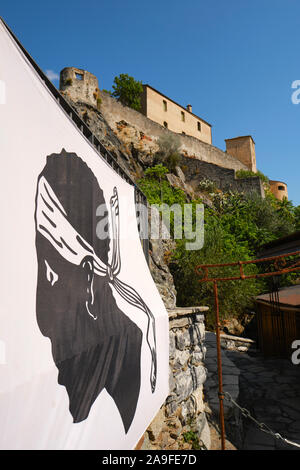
80 86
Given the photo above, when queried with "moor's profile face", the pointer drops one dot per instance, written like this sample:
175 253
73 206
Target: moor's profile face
94 344
64 302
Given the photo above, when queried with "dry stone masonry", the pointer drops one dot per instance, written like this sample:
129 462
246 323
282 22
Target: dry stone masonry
184 409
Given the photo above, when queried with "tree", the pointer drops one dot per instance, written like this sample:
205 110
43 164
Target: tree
220 246
158 171
297 217
128 91
157 189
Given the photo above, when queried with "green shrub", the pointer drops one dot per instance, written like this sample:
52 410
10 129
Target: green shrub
168 153
250 174
157 171
207 185
297 217
235 229
192 438
220 246
99 101
158 190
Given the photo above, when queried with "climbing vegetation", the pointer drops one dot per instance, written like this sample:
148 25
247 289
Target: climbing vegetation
250 174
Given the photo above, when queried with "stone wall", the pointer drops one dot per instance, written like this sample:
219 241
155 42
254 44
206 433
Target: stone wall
183 410
237 343
196 170
114 112
158 249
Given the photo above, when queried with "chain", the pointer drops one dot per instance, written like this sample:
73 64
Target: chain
262 426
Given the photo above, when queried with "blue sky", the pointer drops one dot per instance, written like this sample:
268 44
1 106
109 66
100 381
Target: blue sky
234 61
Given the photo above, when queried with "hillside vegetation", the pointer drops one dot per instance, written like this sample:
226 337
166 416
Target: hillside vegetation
235 227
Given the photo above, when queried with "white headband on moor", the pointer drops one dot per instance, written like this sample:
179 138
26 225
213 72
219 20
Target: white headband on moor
52 223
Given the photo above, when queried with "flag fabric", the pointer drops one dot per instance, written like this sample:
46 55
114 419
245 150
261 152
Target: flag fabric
84 336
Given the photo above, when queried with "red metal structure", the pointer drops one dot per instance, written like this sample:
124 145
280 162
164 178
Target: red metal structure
280 265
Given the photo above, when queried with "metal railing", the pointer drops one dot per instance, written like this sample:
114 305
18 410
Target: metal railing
261 426
280 267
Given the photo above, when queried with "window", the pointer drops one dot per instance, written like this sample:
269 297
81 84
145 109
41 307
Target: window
199 126
281 188
165 105
183 133
79 76
182 116
166 124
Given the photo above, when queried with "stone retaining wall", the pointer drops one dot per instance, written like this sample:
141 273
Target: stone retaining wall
183 410
196 170
114 113
236 343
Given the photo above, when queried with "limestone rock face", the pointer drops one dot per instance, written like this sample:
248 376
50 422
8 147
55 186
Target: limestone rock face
100 128
160 271
179 182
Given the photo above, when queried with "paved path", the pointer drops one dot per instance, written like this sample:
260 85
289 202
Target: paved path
268 388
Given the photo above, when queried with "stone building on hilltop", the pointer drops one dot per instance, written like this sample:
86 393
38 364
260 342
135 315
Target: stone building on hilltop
161 115
165 111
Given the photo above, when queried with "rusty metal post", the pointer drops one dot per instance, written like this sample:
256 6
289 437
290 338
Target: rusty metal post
219 359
